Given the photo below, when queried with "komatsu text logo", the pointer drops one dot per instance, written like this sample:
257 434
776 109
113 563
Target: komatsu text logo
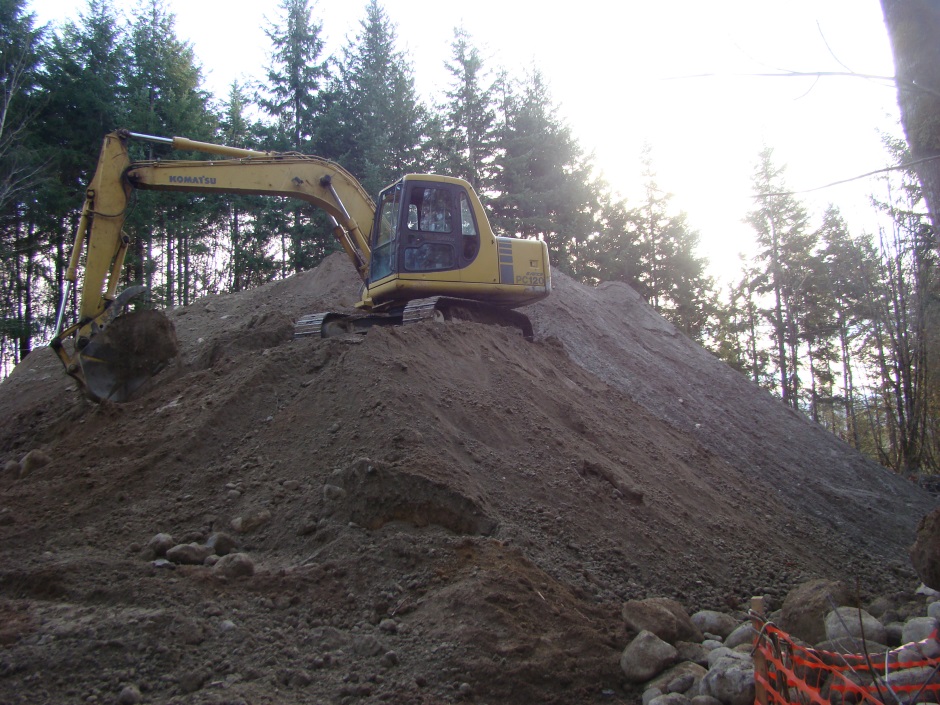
201 180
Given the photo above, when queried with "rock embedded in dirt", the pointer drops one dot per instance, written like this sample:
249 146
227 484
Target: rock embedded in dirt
234 565
221 543
664 617
189 554
32 461
159 545
806 606
720 624
247 524
854 623
645 657
129 695
925 553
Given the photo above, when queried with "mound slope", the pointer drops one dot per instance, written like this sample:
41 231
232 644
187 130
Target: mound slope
435 513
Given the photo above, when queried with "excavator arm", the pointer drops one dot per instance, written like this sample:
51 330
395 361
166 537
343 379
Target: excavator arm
109 356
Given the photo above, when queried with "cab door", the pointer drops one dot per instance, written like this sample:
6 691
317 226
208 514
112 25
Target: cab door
431 239
385 234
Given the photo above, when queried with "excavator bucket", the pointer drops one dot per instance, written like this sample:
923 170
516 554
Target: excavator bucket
120 359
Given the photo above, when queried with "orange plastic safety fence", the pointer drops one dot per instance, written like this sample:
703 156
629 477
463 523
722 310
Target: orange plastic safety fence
795 674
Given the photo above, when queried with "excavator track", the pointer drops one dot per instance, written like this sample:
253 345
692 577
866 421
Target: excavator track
437 308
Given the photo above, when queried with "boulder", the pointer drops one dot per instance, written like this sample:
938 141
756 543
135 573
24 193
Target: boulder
806 606
731 681
918 629
189 554
925 553
234 565
665 618
646 657
856 623
744 634
713 622
680 678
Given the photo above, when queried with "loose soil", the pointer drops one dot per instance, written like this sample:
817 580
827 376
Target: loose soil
436 513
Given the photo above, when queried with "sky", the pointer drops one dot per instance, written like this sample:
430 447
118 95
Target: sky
682 76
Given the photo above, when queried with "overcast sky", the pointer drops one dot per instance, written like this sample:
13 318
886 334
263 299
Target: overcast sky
680 75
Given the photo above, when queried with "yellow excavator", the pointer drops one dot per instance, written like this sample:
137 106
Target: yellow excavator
426 252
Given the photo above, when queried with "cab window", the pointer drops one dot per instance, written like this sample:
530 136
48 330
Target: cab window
430 210
383 250
468 229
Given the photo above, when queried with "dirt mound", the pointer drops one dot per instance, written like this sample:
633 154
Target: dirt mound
436 513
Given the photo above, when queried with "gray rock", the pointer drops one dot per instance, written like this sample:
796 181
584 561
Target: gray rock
806 606
650 694
705 700
11 468
32 461
725 653
680 678
222 544
933 610
716 623
243 525
234 565
333 493
671 699
129 695
894 634
918 629
851 645
646 657
730 681
852 622
665 618
160 544
189 554
696 653
744 634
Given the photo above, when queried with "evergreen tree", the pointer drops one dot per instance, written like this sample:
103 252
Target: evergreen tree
672 276
165 98
375 125
22 50
469 117
850 273
293 96
83 82
544 185
613 254
780 222
250 262
901 330
295 77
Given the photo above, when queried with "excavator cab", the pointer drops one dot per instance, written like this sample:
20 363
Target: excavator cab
423 227
431 237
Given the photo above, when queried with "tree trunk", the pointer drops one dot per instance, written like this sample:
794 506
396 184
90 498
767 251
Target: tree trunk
914 31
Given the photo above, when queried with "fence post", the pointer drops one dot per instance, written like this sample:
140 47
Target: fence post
760 663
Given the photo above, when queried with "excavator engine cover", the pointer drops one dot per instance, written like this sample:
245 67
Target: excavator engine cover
133 347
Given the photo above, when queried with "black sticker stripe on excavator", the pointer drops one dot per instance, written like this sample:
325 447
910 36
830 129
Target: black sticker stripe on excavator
505 262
